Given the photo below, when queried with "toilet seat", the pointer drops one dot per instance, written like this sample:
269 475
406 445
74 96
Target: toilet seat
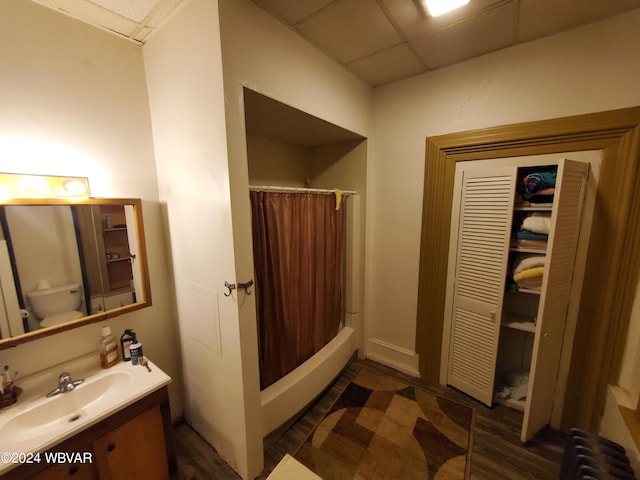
60 318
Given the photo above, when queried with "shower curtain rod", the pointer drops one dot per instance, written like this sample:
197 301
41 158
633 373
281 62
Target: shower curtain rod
273 188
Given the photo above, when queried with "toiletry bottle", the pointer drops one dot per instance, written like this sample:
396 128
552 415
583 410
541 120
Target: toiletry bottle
136 353
108 349
128 337
108 221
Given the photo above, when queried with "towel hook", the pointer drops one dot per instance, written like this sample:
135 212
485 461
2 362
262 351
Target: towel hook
232 286
245 286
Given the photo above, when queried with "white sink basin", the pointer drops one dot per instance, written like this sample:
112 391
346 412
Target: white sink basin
36 422
43 416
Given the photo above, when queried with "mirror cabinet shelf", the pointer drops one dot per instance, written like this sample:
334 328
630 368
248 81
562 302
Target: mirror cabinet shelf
111 223
67 263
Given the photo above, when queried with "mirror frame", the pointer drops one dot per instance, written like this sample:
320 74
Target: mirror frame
107 314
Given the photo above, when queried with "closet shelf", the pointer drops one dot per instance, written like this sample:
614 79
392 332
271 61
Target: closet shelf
520 323
529 250
532 208
511 403
527 290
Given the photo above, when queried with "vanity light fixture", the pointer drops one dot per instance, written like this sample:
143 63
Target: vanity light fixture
439 7
17 185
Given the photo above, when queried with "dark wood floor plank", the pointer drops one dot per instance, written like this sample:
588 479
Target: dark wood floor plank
497 452
197 460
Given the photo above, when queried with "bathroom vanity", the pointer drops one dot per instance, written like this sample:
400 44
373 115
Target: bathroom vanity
116 424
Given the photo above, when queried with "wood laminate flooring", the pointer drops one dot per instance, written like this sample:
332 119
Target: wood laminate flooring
497 452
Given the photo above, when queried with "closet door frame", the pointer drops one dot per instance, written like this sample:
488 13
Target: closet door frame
613 263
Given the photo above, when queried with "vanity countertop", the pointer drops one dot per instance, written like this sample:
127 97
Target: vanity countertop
37 423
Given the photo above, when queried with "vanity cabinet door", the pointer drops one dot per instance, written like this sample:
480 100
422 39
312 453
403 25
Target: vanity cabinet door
136 449
85 471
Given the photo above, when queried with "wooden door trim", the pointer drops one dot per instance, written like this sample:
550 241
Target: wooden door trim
613 260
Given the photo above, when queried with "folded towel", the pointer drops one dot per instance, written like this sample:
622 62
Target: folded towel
539 222
530 278
539 245
527 260
530 284
538 180
528 274
524 235
543 196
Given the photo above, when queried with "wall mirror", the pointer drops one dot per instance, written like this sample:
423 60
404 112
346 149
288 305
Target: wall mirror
66 263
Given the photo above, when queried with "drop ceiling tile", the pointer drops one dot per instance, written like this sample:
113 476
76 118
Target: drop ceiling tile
388 65
489 31
136 11
414 20
350 29
93 14
539 18
292 11
162 12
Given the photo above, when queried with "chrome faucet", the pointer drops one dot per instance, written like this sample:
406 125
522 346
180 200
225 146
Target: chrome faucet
65 384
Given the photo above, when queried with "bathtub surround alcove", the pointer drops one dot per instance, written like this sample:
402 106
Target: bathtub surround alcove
295 157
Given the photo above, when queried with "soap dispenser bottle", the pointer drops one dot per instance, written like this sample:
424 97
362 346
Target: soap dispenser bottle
108 349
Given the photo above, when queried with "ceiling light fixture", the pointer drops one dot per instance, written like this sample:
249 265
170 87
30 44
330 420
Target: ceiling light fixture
439 7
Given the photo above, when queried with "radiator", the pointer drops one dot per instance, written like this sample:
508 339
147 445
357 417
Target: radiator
589 456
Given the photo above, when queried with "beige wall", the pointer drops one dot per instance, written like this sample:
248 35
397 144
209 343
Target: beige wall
276 163
591 69
74 102
184 75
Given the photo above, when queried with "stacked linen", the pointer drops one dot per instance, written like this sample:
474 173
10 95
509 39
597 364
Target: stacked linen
537 222
528 271
539 187
533 232
512 385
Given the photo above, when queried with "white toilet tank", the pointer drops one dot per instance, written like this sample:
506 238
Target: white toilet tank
56 305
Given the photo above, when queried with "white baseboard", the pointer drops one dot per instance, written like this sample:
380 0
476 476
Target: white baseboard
403 360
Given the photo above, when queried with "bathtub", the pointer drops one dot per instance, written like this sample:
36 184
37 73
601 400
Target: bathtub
293 392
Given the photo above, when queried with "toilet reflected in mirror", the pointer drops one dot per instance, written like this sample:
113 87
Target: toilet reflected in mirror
55 305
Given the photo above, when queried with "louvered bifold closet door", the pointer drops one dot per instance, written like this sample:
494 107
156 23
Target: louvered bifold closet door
555 294
481 258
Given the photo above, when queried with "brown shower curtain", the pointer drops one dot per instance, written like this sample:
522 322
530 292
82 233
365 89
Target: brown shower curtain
297 248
